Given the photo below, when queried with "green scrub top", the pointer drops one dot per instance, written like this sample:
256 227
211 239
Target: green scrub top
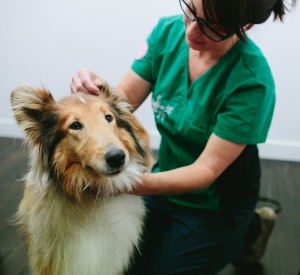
234 99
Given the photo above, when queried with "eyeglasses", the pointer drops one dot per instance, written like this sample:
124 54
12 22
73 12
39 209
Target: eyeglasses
206 29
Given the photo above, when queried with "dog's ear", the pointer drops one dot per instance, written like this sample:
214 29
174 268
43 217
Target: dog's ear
31 107
114 97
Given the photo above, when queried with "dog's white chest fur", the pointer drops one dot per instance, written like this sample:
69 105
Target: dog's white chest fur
93 241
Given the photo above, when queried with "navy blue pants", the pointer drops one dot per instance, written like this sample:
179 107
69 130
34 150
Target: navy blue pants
187 242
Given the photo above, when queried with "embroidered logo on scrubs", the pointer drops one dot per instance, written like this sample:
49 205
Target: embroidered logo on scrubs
142 51
161 111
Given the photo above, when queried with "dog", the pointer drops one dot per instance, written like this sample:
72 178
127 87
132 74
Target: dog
87 153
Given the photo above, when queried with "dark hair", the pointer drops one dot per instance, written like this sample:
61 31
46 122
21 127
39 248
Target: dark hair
233 15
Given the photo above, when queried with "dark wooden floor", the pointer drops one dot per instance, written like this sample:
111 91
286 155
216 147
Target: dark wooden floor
281 181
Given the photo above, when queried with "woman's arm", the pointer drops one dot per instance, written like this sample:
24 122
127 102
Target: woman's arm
134 89
216 157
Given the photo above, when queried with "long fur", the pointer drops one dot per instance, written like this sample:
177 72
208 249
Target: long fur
84 149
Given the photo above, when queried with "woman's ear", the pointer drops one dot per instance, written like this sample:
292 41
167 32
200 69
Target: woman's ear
248 27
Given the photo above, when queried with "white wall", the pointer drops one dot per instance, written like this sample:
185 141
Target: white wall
45 42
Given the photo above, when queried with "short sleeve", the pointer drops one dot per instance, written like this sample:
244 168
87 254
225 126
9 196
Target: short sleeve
248 112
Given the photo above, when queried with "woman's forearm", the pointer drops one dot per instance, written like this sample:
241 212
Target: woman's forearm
177 181
216 157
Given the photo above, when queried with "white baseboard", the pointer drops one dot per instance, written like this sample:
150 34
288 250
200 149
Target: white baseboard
272 149
280 150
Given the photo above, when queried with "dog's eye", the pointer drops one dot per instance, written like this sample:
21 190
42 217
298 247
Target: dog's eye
109 118
76 126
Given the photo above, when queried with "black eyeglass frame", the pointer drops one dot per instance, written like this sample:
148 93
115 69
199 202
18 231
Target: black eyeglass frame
202 24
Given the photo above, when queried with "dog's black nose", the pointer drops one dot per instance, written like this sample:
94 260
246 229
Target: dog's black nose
115 158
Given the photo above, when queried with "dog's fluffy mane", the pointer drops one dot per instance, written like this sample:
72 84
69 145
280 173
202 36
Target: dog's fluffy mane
73 223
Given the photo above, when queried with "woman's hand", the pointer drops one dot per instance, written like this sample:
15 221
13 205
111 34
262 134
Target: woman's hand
87 81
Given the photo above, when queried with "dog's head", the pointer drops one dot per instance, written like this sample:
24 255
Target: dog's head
86 145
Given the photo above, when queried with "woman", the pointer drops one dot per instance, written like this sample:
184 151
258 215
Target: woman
213 98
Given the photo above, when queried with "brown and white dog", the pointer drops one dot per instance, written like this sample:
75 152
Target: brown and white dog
84 149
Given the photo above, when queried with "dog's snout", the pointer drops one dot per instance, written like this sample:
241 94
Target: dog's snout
115 158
